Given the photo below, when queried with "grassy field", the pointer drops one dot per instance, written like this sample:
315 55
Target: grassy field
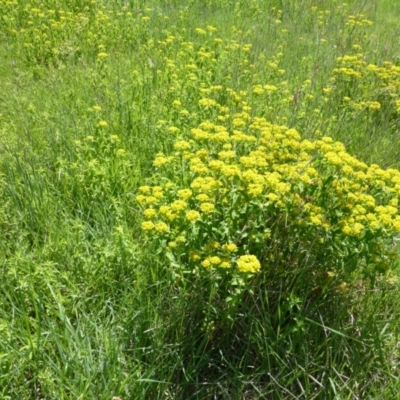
199 200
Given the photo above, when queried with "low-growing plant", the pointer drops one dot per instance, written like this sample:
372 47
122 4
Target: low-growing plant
248 203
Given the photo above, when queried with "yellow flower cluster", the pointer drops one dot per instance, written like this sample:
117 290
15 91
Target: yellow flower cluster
248 263
256 169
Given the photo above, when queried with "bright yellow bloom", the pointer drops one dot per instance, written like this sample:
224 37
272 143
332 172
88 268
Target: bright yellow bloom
193 215
206 263
178 205
182 145
147 225
207 207
230 247
161 227
202 197
149 213
248 263
150 200
215 260
184 193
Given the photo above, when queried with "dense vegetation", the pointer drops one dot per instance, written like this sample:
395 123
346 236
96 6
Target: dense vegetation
199 199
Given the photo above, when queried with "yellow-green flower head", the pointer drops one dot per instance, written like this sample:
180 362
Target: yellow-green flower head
178 205
230 171
202 153
176 103
171 216
161 227
229 247
202 197
182 145
207 207
181 238
206 263
215 260
316 219
255 189
192 215
102 124
227 155
161 159
147 225
151 200
216 165
212 246
144 189
225 263
248 263
346 230
194 255
149 213
357 229
184 193
140 198
272 197
164 210
158 194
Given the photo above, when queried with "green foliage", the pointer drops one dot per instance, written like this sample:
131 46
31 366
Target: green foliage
176 221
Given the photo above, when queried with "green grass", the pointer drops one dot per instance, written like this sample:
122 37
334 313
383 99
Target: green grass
89 309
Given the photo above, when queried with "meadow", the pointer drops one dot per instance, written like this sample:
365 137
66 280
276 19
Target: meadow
199 200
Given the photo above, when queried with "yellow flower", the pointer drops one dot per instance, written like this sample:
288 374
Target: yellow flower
215 260
346 230
161 227
178 205
211 246
150 200
202 197
193 215
272 197
225 263
176 103
149 213
207 207
102 124
248 263
164 210
147 225
206 263
184 193
200 31
230 247
170 215
226 155
182 145
357 228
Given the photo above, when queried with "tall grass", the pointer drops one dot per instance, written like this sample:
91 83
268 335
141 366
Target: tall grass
93 307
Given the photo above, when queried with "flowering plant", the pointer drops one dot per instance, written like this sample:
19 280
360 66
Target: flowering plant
250 198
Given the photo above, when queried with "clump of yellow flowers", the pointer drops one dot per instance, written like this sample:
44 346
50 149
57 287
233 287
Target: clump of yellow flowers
247 195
